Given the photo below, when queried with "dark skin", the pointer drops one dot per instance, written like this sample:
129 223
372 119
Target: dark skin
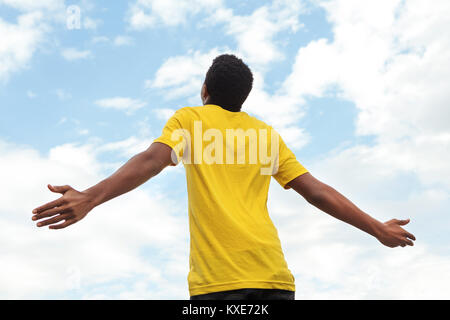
74 205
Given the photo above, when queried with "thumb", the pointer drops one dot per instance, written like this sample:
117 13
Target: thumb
59 189
402 222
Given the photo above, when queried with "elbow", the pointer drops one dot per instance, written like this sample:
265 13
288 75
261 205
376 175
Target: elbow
315 198
318 196
311 189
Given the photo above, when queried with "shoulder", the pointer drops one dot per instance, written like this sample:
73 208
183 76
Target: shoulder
258 123
189 111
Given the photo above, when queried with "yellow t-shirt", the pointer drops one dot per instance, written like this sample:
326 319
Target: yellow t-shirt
229 158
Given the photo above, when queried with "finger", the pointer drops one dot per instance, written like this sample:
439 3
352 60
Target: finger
63 225
409 242
53 220
410 235
59 189
402 222
50 213
49 205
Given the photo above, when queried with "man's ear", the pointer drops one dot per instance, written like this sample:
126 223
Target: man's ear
204 93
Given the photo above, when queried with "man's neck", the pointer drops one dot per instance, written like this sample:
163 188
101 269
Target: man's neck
216 104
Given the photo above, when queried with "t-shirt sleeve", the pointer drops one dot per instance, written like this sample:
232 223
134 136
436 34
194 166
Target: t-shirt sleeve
174 135
289 167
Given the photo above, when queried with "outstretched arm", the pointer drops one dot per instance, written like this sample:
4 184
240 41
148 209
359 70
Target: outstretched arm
327 199
74 205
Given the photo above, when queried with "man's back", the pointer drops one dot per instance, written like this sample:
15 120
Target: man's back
229 159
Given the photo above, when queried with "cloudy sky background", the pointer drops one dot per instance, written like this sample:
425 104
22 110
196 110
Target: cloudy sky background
358 89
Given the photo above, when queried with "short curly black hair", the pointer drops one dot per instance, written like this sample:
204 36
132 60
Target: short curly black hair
229 81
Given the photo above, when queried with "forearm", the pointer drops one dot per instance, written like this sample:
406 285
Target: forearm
132 174
335 204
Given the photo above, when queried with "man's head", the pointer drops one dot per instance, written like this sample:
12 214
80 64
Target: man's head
228 82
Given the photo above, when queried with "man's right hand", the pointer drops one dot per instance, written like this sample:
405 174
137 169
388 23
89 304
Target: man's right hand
71 207
75 205
393 235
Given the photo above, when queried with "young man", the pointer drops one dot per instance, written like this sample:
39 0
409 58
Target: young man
229 158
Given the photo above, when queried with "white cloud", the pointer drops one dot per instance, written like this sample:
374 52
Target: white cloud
255 33
183 75
127 147
394 55
120 103
395 70
89 23
280 110
33 5
313 62
18 42
123 41
118 41
150 13
164 113
72 54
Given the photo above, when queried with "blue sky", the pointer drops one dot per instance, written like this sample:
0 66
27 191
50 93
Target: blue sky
356 88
